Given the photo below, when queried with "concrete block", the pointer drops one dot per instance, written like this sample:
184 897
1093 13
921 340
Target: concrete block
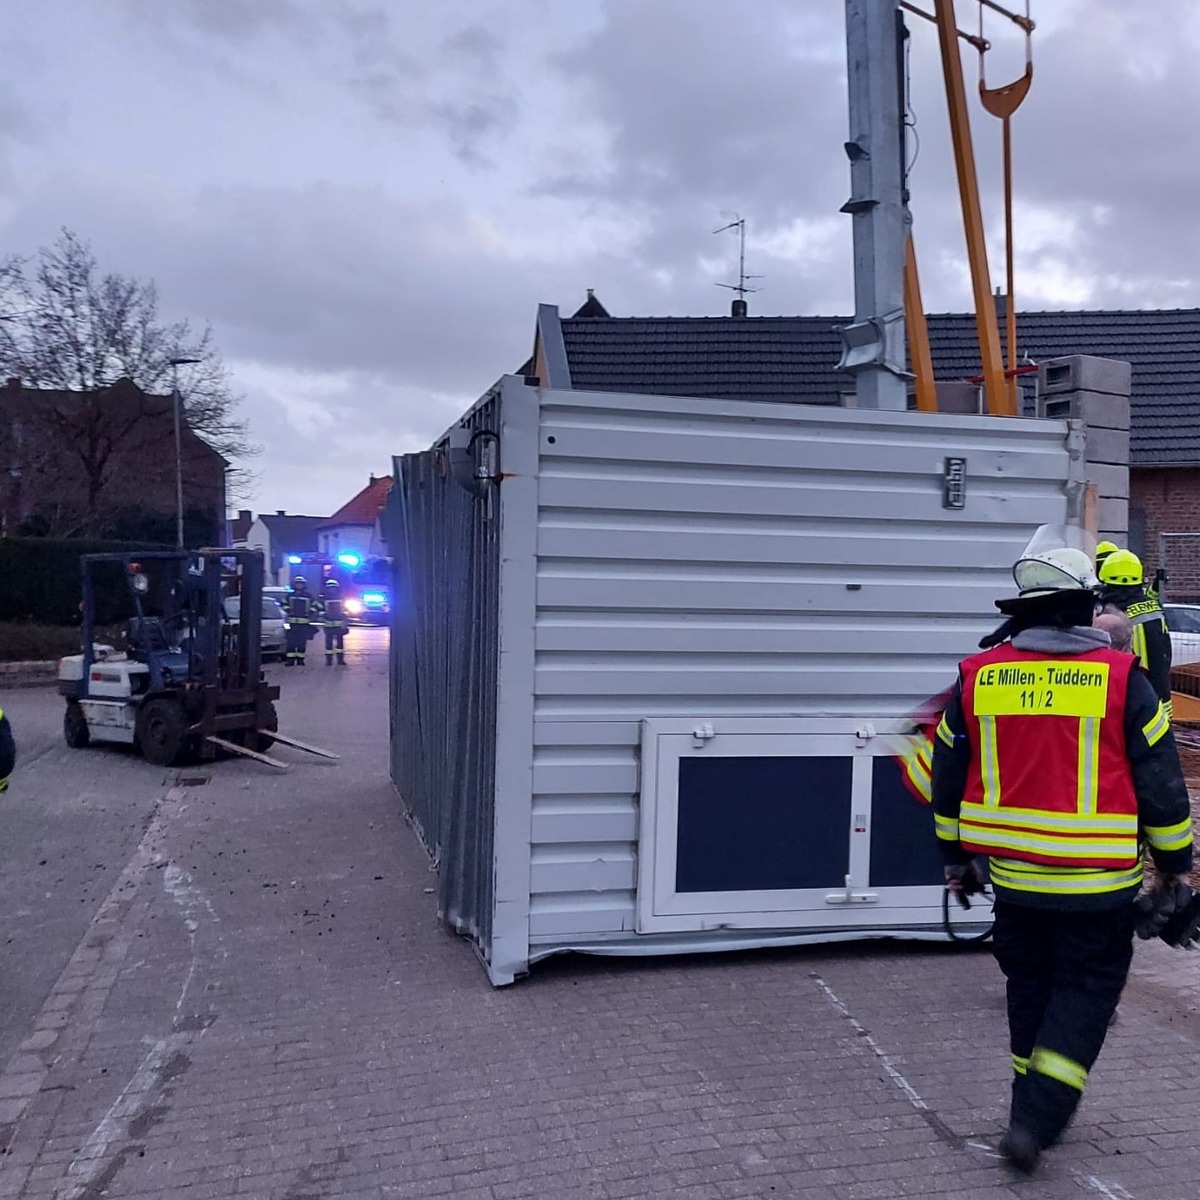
959 397
1114 514
1084 373
1106 445
1096 408
1112 481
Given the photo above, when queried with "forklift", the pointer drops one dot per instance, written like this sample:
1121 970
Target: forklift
188 683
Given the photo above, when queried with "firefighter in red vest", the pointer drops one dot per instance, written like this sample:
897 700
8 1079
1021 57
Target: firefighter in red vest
1055 759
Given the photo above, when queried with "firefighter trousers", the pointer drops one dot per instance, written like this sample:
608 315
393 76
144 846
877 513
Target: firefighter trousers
1065 972
335 643
297 643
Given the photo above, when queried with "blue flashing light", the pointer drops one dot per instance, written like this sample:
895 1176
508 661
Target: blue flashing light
349 560
294 560
374 597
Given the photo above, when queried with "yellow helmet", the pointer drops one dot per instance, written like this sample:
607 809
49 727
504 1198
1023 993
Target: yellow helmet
1121 568
1104 549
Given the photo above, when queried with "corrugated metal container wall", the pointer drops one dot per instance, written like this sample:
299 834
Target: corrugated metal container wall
704 558
445 546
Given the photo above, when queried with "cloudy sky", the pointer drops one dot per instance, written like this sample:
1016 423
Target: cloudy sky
368 198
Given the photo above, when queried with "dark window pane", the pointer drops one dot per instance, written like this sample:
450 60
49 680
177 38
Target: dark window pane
752 824
904 851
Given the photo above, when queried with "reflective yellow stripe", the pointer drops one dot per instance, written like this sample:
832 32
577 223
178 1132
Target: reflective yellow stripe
919 777
943 731
1058 1066
1020 1065
1079 881
1089 752
1139 645
1067 848
1116 824
1170 837
989 765
1156 728
1169 706
946 828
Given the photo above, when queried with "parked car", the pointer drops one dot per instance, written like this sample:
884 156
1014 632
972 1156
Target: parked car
1183 623
274 624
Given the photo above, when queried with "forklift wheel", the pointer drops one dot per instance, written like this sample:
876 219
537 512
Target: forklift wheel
75 726
162 732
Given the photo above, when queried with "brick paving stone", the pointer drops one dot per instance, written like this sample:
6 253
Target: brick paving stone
329 1040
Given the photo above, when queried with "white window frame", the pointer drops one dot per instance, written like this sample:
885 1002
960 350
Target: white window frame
857 905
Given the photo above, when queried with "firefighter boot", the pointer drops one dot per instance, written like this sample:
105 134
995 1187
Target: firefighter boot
1021 1149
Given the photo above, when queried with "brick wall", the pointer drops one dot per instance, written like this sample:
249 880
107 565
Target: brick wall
1167 500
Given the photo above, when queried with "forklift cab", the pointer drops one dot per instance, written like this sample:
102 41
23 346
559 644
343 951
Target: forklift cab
154 639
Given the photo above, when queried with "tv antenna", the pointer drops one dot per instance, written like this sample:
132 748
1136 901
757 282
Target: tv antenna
739 305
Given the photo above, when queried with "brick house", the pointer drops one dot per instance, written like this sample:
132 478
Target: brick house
793 358
103 463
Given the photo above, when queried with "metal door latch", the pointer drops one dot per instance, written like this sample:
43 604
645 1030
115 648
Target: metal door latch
865 732
850 896
702 734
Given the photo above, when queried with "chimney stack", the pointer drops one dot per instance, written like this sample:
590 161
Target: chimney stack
739 308
281 512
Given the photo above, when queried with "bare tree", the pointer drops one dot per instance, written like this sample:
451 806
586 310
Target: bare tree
69 327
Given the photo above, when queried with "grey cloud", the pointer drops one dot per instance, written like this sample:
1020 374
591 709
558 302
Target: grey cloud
702 108
329 278
699 98
233 19
412 77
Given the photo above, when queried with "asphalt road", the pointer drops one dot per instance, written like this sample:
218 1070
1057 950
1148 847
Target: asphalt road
68 824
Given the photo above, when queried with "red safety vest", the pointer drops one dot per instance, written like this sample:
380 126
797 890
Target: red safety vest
1049 780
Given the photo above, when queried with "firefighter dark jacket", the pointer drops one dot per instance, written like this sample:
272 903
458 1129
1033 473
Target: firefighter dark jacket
1151 639
1055 758
8 751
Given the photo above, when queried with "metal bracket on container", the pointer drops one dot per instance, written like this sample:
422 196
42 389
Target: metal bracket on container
850 896
473 459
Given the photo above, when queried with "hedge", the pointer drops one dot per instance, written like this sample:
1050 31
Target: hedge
40 580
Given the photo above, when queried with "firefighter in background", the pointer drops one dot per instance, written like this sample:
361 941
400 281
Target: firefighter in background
300 622
331 613
1055 759
1123 586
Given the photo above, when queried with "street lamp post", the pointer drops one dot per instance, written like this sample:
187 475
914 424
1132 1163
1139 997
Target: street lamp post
176 405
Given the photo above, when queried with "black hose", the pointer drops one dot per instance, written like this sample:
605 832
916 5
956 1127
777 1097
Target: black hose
948 925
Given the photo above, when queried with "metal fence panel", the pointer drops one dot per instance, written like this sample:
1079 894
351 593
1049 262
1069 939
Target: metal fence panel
445 545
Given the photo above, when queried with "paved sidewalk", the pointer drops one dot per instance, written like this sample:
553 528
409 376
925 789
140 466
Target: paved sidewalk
265 1006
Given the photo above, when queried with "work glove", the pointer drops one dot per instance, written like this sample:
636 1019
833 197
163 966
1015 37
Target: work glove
1156 907
1183 928
965 881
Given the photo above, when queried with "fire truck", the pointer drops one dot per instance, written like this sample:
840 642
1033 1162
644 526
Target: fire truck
365 584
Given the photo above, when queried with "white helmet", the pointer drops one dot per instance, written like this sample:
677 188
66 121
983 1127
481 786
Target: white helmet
1061 569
